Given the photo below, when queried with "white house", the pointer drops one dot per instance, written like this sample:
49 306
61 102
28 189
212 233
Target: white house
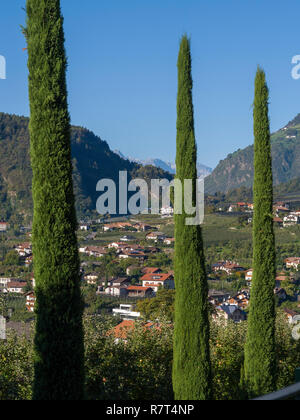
118 291
292 262
84 227
291 220
167 211
16 287
158 280
126 312
249 276
156 236
30 301
91 278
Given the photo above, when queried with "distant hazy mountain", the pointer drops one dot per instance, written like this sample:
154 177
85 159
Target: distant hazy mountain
203 171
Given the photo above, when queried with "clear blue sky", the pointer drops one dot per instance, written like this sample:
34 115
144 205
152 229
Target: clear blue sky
122 75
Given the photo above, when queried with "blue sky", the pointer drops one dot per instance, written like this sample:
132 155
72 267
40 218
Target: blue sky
122 75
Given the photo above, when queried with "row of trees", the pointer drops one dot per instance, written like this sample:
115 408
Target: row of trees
192 366
59 350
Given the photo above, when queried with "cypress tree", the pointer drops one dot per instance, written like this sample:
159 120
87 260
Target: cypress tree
59 372
191 362
260 361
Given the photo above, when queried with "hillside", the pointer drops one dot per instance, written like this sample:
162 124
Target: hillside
92 160
237 169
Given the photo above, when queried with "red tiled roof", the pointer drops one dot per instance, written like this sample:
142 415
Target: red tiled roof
141 288
160 277
15 284
126 326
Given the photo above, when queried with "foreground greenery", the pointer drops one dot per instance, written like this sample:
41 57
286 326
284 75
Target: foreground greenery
141 368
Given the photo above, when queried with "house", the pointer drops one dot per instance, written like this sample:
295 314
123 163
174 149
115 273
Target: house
138 255
167 211
84 227
140 291
114 281
4 226
280 209
157 280
245 206
117 291
249 277
151 250
232 208
117 226
16 287
230 312
28 261
156 236
215 297
228 266
94 251
5 280
126 312
280 278
30 301
24 250
291 220
282 204
292 262
122 330
290 315
119 246
169 241
142 227
91 278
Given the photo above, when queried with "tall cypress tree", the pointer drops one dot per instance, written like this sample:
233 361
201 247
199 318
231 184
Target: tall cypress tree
191 363
260 361
59 372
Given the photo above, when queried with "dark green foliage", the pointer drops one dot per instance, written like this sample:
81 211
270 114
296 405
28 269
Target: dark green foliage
59 365
191 366
260 359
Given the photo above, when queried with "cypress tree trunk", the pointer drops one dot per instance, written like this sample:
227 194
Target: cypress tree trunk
59 372
260 361
191 364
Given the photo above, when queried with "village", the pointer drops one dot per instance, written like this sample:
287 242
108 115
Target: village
129 260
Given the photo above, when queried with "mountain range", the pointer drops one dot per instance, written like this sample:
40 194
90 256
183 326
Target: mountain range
92 161
203 170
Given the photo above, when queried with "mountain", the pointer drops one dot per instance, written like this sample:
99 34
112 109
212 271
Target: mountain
92 161
170 167
237 169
